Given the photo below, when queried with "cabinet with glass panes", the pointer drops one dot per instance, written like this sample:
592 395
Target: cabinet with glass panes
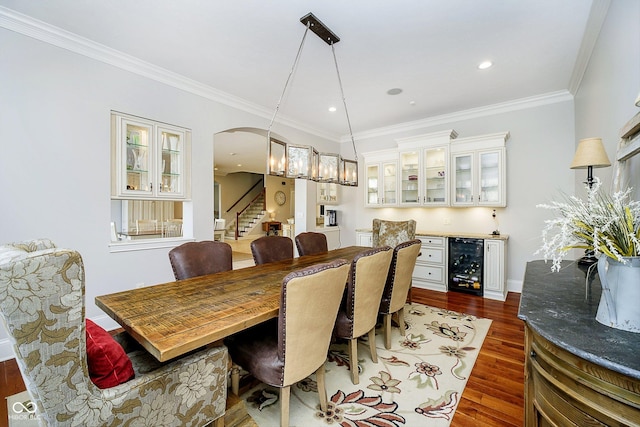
150 159
381 170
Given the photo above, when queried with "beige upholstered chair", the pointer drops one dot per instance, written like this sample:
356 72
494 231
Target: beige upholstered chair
271 249
359 310
193 259
310 243
398 285
42 305
304 328
392 233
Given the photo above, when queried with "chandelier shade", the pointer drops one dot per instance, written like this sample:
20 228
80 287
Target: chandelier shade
276 157
304 161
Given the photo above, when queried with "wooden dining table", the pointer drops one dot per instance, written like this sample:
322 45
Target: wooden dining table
172 319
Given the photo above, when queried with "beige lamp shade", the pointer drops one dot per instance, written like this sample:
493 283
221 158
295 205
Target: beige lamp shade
590 152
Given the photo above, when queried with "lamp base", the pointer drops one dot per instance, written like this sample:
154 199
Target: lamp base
587 259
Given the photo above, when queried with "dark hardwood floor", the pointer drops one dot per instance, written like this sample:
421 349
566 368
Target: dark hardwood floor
494 395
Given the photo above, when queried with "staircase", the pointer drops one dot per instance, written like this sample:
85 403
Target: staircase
248 219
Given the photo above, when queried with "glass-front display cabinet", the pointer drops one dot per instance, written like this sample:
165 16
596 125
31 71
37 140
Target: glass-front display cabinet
435 178
424 177
381 183
150 159
409 182
479 178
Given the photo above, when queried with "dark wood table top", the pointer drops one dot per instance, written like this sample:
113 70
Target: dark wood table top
171 319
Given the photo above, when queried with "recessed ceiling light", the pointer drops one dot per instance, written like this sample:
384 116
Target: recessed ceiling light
239 165
394 91
232 154
484 65
412 102
332 109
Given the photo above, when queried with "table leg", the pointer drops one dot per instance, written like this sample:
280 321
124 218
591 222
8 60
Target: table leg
235 379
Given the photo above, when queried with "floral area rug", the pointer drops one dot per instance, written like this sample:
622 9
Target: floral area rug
417 382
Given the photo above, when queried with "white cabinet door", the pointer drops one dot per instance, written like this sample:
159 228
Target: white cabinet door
463 179
494 269
435 177
410 178
150 159
364 239
381 184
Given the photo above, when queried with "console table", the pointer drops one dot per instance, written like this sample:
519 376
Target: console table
272 227
577 371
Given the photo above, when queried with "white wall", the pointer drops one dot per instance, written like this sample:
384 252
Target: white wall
55 163
539 152
605 99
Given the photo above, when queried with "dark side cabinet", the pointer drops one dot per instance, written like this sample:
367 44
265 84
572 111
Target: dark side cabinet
577 371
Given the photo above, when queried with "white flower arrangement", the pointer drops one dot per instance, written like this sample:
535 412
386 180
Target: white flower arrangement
605 224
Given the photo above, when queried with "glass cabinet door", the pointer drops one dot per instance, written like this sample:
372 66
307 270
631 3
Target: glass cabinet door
172 163
138 158
435 176
390 183
372 184
463 178
489 177
409 181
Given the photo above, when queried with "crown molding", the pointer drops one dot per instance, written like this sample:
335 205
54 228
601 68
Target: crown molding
42 31
597 15
39 30
473 113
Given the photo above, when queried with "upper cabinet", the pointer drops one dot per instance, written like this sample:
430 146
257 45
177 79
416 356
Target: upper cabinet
328 193
437 169
381 177
424 169
150 159
478 171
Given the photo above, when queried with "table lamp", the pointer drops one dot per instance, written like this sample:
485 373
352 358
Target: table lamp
590 154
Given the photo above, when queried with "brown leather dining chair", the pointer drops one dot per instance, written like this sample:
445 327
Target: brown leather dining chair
271 249
309 243
397 286
359 309
193 259
286 350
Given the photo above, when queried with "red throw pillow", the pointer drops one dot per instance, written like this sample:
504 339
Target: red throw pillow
108 364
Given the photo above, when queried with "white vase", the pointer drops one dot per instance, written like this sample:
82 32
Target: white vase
620 301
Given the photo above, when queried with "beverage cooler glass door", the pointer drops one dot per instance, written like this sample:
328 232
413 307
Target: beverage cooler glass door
466 265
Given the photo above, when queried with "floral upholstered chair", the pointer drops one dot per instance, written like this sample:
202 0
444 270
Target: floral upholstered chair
392 233
42 305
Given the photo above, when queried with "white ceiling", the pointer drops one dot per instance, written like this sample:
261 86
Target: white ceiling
428 48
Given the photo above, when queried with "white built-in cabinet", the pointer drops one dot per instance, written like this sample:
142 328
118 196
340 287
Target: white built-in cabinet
424 169
430 271
436 170
495 269
478 171
150 159
381 178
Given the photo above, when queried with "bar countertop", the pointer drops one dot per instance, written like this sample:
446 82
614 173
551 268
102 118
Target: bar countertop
562 308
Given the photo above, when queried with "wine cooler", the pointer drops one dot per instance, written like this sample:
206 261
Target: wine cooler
465 265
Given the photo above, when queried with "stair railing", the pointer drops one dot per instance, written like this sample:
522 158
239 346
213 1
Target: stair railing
264 208
245 193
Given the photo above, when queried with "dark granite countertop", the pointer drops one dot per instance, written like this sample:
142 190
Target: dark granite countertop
557 306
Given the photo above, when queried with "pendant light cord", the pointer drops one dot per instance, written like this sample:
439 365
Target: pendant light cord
344 102
286 84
